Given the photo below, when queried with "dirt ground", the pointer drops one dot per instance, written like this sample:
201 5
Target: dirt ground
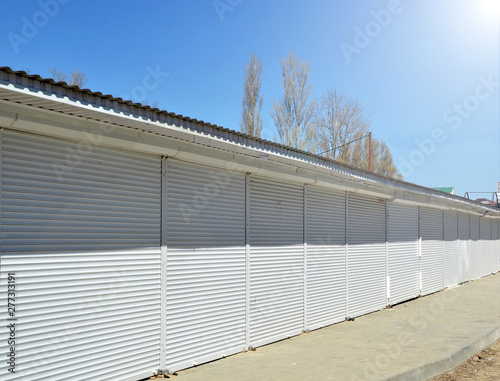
484 366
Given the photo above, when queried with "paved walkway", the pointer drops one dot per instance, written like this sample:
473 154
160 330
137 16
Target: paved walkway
413 341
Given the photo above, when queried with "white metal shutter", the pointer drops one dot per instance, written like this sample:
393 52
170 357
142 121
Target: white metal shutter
80 228
485 237
463 247
402 248
276 260
475 261
451 248
495 249
206 268
432 247
366 262
325 238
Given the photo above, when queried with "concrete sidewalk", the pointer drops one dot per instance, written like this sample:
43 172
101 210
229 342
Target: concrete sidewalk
413 341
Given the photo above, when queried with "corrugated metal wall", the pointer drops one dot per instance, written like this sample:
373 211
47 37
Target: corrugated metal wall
495 250
402 250
366 260
451 248
432 247
80 229
475 255
485 237
276 260
206 264
326 257
463 248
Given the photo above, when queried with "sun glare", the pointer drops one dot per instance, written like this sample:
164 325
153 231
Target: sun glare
489 9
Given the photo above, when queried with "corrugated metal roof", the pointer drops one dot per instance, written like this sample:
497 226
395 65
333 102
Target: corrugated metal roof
145 117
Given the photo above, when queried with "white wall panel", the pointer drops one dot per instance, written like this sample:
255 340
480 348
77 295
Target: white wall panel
276 260
366 263
463 247
451 247
402 246
432 248
485 246
475 261
80 228
325 237
495 253
206 288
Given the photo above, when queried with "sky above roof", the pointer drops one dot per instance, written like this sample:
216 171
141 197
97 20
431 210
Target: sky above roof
427 71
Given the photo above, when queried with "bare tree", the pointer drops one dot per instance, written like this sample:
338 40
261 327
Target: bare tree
74 78
293 113
251 121
339 120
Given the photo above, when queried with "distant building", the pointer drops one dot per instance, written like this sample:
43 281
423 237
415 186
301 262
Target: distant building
450 190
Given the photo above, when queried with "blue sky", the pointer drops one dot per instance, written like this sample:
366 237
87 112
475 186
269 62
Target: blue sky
427 70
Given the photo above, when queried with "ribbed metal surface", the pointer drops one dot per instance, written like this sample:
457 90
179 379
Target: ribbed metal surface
276 260
205 264
463 248
366 264
485 236
402 249
451 248
495 254
85 250
475 261
326 298
432 247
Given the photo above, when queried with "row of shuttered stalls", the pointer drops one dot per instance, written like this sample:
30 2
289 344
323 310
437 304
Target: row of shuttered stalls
247 260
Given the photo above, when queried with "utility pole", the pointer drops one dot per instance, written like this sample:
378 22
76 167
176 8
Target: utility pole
370 151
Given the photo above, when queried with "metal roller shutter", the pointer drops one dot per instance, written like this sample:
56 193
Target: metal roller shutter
402 249
276 260
366 261
485 246
206 287
451 248
80 229
475 261
325 238
432 248
463 248
495 249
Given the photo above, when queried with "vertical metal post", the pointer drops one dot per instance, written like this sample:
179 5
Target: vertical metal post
420 249
370 151
346 254
305 329
163 270
247 261
388 279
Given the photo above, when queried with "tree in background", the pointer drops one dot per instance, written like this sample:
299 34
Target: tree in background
292 114
341 126
338 120
251 121
74 78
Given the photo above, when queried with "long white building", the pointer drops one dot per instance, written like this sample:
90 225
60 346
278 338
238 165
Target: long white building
134 240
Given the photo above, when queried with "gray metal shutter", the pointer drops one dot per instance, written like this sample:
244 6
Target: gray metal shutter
485 239
402 249
463 248
366 261
495 250
276 260
451 248
325 238
432 248
80 229
475 261
206 267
